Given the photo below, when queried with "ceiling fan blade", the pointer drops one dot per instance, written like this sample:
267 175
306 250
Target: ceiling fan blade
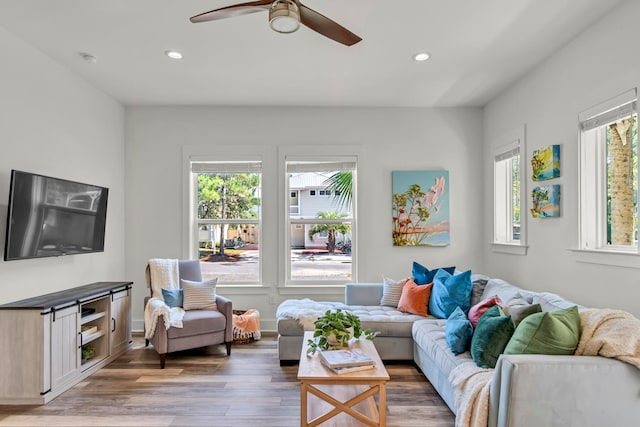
325 26
233 10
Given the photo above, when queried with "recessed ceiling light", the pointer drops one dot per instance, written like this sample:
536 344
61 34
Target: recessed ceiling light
173 54
421 56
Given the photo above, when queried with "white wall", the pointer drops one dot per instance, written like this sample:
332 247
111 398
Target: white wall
597 65
54 123
393 139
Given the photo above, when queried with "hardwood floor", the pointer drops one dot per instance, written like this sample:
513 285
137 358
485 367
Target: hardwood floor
205 388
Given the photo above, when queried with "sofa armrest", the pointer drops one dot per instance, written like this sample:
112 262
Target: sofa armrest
363 293
535 390
225 307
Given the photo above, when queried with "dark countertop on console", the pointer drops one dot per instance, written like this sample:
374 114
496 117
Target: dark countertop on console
67 296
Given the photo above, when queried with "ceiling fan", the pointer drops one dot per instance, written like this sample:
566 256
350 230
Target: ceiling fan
285 16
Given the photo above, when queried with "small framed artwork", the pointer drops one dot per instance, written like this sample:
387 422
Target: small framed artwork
545 163
546 201
420 208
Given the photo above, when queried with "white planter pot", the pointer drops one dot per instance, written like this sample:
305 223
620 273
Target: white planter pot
331 339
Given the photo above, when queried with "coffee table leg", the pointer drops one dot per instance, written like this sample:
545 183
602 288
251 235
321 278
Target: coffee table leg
303 405
382 410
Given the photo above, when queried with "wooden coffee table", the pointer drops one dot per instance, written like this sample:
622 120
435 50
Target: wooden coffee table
342 400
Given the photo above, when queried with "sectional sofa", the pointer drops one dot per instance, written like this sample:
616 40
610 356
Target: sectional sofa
526 390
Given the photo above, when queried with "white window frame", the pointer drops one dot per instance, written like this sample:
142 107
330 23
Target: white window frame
339 153
220 154
592 204
509 145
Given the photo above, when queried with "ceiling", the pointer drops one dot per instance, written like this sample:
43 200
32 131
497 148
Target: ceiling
478 49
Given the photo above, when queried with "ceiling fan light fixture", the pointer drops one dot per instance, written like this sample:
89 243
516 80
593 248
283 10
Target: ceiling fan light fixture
284 16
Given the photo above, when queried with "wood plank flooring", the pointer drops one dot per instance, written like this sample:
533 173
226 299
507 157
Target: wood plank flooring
205 388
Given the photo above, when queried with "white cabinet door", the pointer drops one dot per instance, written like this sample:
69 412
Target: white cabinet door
120 320
65 355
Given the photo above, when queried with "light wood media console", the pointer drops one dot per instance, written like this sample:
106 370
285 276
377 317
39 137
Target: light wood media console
51 342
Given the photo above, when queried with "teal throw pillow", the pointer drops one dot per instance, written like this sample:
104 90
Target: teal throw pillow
172 297
490 337
458 331
422 275
547 333
450 292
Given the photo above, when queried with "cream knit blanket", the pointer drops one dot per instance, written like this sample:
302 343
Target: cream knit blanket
155 308
610 333
471 392
161 273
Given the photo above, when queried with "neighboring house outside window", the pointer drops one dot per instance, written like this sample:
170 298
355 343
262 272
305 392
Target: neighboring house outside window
509 189
609 176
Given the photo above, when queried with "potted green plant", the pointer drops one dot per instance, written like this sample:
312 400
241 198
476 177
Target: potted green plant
334 329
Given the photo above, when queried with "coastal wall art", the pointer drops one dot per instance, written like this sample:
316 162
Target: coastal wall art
545 163
545 201
420 208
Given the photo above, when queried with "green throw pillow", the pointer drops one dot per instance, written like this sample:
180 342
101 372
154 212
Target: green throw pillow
547 333
490 337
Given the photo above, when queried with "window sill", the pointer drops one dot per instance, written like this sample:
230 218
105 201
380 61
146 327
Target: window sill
607 257
311 290
509 248
252 289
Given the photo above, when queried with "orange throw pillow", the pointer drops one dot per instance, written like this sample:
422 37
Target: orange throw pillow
415 298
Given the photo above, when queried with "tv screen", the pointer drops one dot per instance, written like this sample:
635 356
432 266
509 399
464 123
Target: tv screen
53 217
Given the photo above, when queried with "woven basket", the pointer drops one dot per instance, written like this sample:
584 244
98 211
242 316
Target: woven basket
238 339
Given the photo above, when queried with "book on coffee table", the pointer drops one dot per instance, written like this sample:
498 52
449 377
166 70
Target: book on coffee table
349 369
345 358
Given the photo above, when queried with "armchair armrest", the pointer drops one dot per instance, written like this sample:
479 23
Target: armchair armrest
535 390
225 307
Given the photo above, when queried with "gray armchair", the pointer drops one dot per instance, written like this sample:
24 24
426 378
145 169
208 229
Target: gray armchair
201 328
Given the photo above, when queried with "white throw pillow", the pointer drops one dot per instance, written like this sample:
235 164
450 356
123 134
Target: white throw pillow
391 291
199 295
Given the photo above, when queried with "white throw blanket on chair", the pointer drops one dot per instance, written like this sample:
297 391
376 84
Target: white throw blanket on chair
155 308
162 273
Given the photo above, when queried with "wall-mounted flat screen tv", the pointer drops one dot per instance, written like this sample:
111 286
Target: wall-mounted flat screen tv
53 217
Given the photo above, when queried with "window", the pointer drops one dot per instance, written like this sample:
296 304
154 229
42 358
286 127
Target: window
321 235
509 225
226 216
294 205
609 175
